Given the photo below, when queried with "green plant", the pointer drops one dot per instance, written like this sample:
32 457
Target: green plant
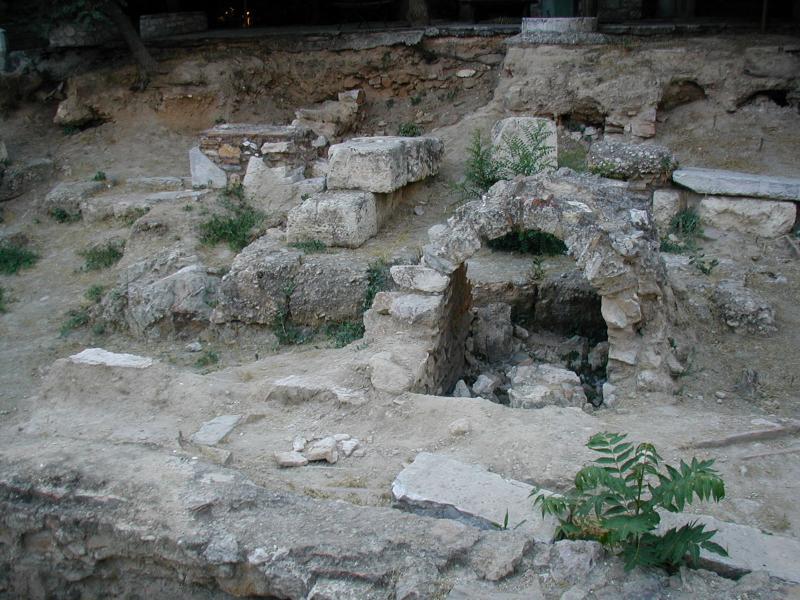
134 214
617 498
504 525
529 241
233 192
342 334
701 264
70 129
537 268
99 176
206 359
527 154
310 246
235 227
3 307
409 130
102 256
61 215
377 281
684 228
390 103
285 330
98 328
94 293
481 171
76 317
188 208
415 100
14 257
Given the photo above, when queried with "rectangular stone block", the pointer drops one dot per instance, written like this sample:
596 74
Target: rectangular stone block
382 164
204 172
344 219
732 183
666 204
217 429
762 218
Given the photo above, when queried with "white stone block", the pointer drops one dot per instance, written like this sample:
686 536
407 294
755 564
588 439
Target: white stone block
733 183
762 218
99 356
417 277
344 219
204 172
271 189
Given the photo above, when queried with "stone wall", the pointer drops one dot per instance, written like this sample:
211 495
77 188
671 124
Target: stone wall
166 24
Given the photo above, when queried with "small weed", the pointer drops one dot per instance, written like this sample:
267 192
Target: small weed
529 241
342 334
102 256
234 228
701 264
671 247
76 317
14 257
98 328
188 208
3 306
61 215
504 525
451 94
415 100
206 359
99 176
288 333
310 246
409 130
377 281
70 129
135 214
537 269
94 293
574 159
219 120
685 228
233 192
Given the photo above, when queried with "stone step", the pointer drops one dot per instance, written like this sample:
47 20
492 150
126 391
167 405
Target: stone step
382 164
733 183
98 208
343 219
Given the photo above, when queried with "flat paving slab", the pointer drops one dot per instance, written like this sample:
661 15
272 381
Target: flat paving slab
99 356
733 183
217 429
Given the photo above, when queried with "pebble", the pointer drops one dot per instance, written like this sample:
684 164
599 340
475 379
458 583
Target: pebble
721 395
348 446
299 443
460 427
465 73
194 347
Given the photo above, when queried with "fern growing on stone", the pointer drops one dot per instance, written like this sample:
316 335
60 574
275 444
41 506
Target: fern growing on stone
617 499
526 154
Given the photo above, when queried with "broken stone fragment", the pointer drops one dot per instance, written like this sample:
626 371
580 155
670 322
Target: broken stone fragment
485 385
299 443
324 449
732 183
742 309
348 446
750 216
204 172
290 459
622 160
460 427
537 386
99 356
417 277
216 430
461 390
343 219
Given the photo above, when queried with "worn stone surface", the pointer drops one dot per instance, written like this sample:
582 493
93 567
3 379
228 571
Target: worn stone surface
733 183
126 205
419 278
333 118
216 430
666 204
204 172
101 357
324 449
742 309
503 277
19 177
290 459
751 216
68 196
271 189
620 160
522 128
442 485
461 390
536 386
344 219
382 164
492 331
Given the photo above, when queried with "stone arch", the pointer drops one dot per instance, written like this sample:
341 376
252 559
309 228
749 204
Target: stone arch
609 233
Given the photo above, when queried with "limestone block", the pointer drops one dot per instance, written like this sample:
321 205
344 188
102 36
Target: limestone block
519 127
216 430
762 218
382 164
622 160
621 311
204 172
536 386
344 219
417 277
666 204
67 196
388 376
99 356
290 459
733 183
271 189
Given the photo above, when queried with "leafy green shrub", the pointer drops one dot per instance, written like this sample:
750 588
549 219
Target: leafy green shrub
206 359
684 229
76 317
235 227
529 241
61 215
377 281
481 171
616 501
310 246
102 256
342 334
409 130
14 257
99 176
94 293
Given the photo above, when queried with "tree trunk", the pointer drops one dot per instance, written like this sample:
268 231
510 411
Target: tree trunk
147 64
418 12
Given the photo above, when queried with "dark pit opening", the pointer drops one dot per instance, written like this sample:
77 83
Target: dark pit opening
779 97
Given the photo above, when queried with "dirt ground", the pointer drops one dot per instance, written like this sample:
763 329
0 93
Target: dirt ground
763 478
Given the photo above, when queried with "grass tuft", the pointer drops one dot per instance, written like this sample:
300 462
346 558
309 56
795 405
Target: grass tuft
310 246
102 256
342 334
377 281
206 359
14 257
409 130
61 215
76 317
94 294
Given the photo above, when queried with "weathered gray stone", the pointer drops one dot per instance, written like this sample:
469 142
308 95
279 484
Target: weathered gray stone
417 277
324 449
476 591
204 172
271 189
522 128
290 459
620 160
216 430
337 218
21 176
572 560
560 25
762 218
743 309
485 385
99 356
733 183
461 390
331 118
666 204
412 309
131 204
536 386
382 164
492 331
439 483
749 549
68 196
389 376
